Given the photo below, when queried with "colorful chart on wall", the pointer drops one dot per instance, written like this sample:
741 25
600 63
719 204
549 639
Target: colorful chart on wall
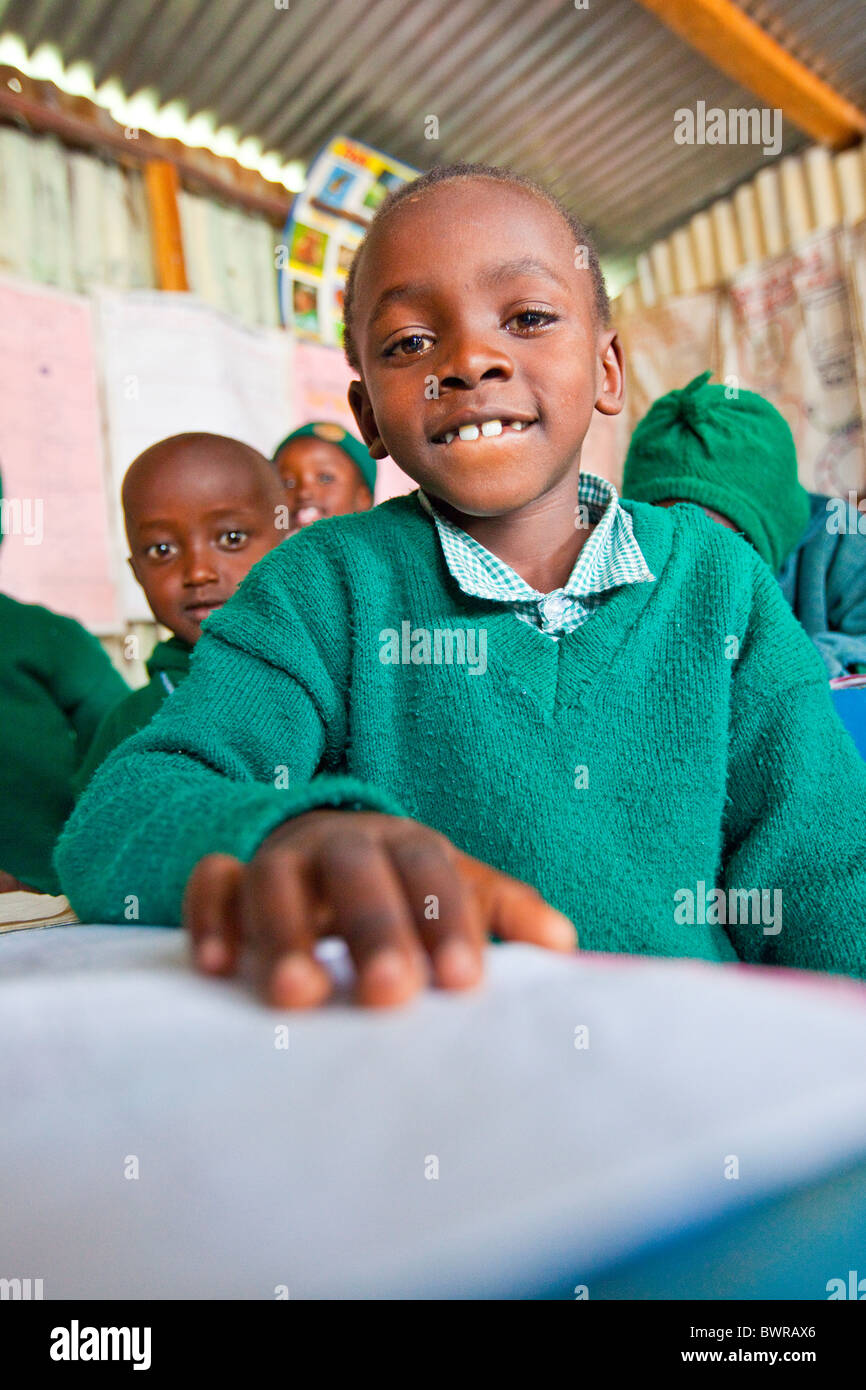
346 185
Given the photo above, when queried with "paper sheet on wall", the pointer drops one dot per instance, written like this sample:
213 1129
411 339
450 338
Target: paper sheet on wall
321 380
787 332
666 346
173 364
56 548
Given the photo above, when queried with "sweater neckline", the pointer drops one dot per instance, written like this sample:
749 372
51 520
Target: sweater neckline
574 670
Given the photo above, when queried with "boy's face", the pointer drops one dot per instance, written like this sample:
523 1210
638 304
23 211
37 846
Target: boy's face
196 524
472 308
320 480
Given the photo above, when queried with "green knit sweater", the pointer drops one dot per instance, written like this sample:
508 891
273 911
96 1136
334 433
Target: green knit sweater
169 659
56 683
680 739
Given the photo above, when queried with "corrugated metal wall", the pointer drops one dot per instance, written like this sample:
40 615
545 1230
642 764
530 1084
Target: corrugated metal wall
582 99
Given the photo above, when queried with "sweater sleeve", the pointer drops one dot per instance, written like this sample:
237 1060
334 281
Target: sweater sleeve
86 685
795 824
254 736
125 719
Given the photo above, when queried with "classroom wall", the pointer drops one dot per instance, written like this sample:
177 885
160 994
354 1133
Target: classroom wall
768 289
96 364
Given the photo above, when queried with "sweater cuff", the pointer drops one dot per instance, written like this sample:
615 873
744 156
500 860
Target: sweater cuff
342 793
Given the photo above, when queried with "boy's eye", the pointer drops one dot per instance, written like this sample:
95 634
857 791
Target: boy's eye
530 319
234 539
325 478
410 346
160 550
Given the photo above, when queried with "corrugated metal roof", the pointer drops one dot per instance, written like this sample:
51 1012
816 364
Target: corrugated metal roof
583 100
830 38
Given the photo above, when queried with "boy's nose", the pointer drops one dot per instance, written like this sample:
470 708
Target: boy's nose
199 569
472 360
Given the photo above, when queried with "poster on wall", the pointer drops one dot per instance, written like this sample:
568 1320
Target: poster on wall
666 346
346 185
788 333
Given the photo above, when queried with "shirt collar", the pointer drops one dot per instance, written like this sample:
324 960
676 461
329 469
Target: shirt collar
610 557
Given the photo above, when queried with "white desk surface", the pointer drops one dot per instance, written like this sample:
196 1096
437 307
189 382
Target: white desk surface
305 1167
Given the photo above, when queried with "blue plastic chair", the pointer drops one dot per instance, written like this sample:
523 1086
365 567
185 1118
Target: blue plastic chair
851 707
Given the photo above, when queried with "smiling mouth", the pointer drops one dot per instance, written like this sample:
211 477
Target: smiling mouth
483 429
305 516
201 610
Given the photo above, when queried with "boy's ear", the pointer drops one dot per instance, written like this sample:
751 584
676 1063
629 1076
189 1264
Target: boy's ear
365 419
130 560
611 397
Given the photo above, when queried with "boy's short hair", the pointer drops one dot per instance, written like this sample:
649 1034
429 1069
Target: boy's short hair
449 173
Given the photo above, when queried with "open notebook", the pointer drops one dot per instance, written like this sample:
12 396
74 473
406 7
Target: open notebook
166 1136
21 909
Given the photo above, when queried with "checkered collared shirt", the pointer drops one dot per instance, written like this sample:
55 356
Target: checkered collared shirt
610 557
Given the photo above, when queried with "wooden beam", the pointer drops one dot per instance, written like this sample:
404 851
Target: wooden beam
739 47
163 185
41 107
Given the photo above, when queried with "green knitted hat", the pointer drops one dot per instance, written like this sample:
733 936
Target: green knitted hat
335 434
734 454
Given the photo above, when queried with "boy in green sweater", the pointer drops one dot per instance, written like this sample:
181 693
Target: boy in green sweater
200 510
404 719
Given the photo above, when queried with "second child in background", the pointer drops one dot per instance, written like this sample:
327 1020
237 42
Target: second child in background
200 510
734 457
325 471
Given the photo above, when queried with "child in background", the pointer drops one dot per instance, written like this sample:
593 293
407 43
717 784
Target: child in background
648 720
200 510
56 684
734 456
326 472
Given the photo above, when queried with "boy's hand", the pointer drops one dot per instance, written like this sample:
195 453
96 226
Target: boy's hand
404 899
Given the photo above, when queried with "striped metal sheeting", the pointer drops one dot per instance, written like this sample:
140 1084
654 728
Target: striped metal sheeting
583 100
830 38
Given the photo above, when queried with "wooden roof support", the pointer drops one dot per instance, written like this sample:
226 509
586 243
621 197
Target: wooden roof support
40 107
739 47
163 185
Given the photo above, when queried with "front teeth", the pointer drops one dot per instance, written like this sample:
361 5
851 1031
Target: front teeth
489 430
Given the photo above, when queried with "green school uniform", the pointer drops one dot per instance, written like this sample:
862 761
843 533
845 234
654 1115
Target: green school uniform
56 684
676 745
167 666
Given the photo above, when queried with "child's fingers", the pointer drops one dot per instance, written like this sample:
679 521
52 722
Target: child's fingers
276 913
210 913
514 911
370 912
446 911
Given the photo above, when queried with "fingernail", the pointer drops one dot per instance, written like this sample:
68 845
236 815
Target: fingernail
212 954
294 974
386 969
561 932
457 964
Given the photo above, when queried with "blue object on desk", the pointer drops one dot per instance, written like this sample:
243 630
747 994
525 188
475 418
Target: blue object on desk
851 708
